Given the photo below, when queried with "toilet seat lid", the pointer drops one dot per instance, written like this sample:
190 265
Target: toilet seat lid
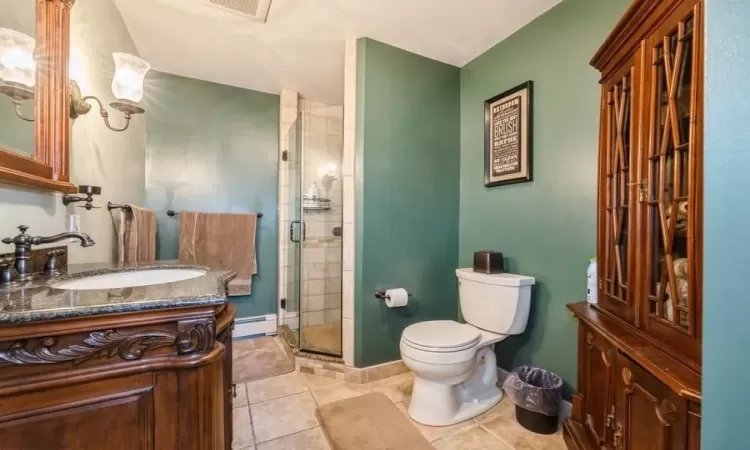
441 335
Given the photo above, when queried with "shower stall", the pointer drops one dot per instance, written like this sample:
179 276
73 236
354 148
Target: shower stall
313 209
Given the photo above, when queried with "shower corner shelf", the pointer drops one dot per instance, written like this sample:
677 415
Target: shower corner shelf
318 204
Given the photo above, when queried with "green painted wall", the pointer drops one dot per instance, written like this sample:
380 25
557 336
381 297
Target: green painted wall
546 228
407 194
726 336
215 148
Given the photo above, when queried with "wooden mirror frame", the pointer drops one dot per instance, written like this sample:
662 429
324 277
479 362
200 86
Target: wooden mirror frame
49 168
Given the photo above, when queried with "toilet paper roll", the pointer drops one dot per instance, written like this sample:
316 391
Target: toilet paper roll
396 298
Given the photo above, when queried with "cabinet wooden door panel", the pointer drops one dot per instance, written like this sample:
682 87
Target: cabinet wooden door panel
116 414
649 415
230 389
618 174
672 255
599 370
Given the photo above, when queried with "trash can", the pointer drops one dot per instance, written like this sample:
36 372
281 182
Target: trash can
537 394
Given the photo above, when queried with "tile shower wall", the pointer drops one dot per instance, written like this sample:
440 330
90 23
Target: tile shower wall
322 133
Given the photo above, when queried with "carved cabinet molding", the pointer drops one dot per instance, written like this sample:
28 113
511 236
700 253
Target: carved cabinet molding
192 337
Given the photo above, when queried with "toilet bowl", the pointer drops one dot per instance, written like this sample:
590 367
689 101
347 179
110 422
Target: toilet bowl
454 364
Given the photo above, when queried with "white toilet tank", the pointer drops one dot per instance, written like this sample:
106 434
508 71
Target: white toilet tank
495 302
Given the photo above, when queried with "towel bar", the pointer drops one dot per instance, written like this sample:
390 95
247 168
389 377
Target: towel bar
173 213
111 206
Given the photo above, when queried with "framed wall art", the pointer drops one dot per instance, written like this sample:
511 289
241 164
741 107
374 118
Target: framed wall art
508 136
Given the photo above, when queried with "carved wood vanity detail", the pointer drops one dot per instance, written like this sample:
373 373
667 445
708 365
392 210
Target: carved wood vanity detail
639 348
156 379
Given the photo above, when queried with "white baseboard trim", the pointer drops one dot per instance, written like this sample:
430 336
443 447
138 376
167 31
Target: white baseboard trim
254 326
565 407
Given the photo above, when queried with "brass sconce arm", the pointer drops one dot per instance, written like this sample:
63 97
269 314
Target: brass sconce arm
79 106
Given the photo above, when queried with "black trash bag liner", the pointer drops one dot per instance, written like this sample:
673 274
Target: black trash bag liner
535 390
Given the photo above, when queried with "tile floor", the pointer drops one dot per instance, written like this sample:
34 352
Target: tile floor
278 413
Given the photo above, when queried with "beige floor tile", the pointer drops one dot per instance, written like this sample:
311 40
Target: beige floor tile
552 442
434 433
304 440
275 387
241 398
242 428
318 382
519 438
397 388
475 438
283 416
339 391
503 409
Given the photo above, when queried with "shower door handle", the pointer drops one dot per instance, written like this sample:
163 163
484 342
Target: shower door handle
291 231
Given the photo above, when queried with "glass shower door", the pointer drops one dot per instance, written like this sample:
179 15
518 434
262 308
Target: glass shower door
294 238
313 246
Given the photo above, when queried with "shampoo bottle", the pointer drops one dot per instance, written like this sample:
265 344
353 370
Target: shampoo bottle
591 284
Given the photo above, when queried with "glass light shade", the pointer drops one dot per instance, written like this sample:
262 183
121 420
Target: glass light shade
17 63
327 169
130 72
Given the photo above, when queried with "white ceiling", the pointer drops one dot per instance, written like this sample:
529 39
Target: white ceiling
301 47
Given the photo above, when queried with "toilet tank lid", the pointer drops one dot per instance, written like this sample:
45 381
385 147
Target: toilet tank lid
502 279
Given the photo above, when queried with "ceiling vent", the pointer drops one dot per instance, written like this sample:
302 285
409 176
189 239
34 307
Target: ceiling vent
253 9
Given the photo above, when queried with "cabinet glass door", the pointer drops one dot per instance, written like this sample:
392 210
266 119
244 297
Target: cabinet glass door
672 278
618 169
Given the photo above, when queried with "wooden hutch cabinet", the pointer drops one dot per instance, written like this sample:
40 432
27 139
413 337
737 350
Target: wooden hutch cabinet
639 348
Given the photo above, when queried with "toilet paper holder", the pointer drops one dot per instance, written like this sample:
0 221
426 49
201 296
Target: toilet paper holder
381 294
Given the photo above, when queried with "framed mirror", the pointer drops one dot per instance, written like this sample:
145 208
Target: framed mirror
35 94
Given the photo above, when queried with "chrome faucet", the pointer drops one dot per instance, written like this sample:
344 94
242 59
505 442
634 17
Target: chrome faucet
23 243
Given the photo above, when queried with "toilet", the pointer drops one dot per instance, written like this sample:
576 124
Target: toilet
455 371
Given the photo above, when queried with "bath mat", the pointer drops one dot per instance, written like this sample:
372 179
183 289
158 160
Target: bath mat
258 358
369 422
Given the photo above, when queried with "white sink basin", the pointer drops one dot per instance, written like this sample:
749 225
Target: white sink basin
133 278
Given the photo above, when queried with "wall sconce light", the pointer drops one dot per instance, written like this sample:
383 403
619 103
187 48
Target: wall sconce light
17 68
127 87
18 80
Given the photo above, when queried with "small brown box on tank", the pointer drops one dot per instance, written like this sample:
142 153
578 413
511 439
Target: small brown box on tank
488 261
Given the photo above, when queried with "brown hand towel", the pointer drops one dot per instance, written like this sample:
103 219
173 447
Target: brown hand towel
136 236
221 241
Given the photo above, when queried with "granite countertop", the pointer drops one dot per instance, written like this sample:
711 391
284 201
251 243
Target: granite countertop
37 300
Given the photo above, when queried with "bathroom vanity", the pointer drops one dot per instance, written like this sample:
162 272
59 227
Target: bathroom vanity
139 367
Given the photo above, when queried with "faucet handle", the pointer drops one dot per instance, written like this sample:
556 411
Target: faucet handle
6 270
52 266
21 239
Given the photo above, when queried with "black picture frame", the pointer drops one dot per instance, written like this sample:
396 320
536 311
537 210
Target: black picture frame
524 173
